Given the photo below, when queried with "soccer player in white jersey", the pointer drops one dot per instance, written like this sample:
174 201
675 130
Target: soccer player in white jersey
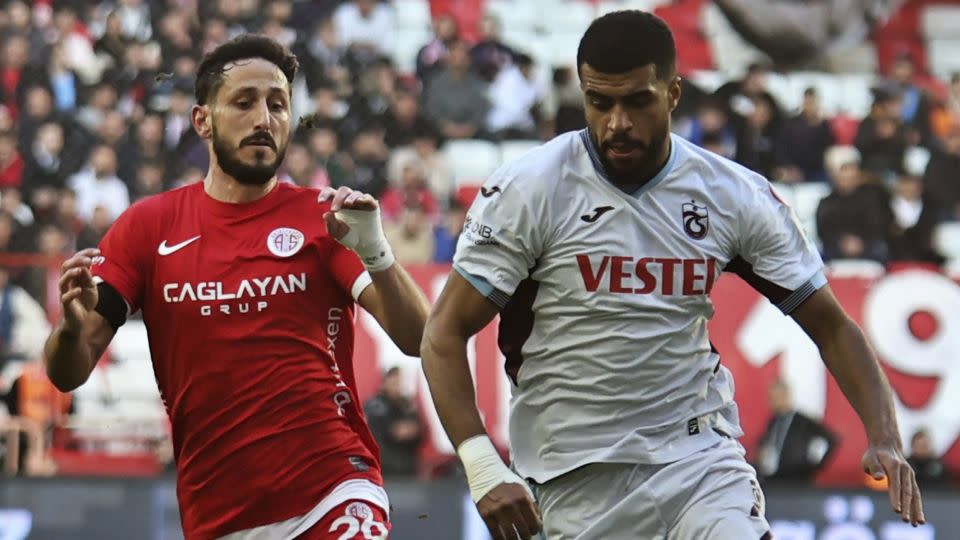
598 250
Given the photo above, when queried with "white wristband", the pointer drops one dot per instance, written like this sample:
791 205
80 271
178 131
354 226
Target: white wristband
366 238
485 470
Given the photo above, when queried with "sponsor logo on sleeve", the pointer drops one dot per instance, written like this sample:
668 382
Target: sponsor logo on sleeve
478 233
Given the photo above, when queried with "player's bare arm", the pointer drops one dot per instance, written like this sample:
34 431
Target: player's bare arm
502 497
393 299
850 359
73 348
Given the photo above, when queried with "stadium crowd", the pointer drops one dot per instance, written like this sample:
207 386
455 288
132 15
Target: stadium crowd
95 101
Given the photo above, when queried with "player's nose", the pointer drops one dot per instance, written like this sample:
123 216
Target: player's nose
619 120
262 116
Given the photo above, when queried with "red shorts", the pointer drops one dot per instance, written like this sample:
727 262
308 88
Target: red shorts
352 520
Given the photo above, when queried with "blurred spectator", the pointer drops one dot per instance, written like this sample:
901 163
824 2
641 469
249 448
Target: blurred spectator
794 446
11 202
403 120
718 144
369 156
149 179
23 322
146 143
854 219
395 423
882 137
175 37
95 229
46 165
926 464
914 219
321 57
456 99
431 57
738 97
802 143
37 109
824 36
412 190
11 163
563 104
301 169
425 155
103 99
447 232
14 71
324 145
710 122
755 149
7 229
112 130
62 79
366 27
53 241
914 103
134 18
512 100
70 31
67 217
940 179
98 185
176 123
113 43
411 237
489 54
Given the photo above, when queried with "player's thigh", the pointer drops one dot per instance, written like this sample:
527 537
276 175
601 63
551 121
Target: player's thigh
352 520
596 502
726 503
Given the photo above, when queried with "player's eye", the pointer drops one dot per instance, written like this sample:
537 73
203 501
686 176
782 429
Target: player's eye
601 102
244 104
277 106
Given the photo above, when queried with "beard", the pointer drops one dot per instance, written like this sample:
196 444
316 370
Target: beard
646 163
249 175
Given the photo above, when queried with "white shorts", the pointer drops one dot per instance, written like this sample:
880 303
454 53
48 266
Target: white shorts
356 489
710 495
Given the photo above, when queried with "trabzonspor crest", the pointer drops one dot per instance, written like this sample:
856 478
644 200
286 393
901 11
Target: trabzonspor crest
695 220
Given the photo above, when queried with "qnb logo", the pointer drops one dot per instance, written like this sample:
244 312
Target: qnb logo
647 275
695 220
249 296
478 233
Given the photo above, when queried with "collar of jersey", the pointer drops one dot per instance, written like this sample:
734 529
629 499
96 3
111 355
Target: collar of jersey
598 165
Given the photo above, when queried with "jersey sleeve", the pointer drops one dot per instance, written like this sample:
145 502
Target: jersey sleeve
348 271
125 257
775 257
501 239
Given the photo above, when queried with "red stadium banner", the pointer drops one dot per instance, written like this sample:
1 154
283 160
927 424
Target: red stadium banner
911 317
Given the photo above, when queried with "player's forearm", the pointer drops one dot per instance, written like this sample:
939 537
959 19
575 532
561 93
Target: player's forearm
447 370
68 359
850 359
405 307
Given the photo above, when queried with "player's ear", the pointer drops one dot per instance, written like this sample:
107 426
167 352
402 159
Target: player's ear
202 121
673 93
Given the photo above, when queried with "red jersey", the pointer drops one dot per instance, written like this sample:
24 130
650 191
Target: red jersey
249 310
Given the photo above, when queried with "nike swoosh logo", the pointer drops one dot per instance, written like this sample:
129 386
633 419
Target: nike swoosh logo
597 212
164 249
489 192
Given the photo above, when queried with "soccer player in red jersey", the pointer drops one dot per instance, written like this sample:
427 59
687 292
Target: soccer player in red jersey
247 288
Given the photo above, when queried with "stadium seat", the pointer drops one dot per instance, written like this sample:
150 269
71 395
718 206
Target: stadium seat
915 160
940 21
414 14
409 42
514 14
855 89
944 57
563 48
806 199
946 240
606 6
511 150
471 160
571 17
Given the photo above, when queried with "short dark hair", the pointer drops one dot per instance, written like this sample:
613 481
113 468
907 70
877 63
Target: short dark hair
211 72
624 40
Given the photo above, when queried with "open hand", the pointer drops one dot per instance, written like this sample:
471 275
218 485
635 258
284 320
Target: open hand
887 461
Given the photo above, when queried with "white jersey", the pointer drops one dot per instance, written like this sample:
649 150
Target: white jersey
605 298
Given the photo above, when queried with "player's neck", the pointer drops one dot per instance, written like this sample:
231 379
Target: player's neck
222 187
